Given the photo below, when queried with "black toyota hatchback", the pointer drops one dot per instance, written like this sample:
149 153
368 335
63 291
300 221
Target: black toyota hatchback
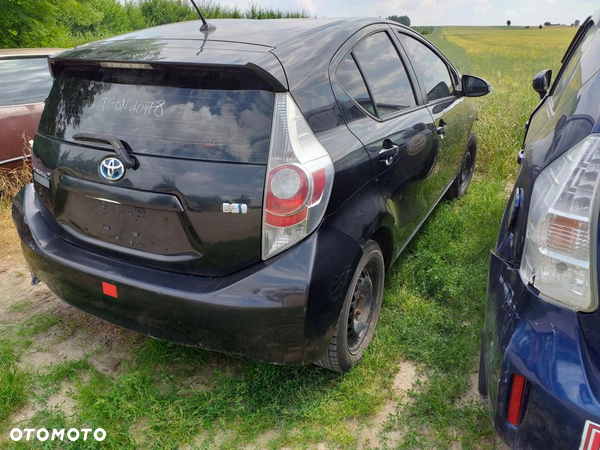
244 188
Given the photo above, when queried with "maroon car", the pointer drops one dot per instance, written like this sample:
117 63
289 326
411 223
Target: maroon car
24 84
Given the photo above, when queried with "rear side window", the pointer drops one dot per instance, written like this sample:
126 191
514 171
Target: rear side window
24 81
353 83
220 116
432 70
385 74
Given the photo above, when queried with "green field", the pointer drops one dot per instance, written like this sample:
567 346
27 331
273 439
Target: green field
61 368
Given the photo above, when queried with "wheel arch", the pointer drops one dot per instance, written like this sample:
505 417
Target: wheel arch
365 216
472 142
383 237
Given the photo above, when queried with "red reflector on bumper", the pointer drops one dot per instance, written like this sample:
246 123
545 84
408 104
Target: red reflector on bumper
109 289
515 402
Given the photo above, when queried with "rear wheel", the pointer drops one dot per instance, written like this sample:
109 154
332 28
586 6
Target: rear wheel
358 318
463 180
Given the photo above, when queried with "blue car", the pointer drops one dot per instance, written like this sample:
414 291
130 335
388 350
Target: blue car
540 359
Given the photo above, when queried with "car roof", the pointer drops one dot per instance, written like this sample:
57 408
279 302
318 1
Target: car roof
267 32
27 52
238 43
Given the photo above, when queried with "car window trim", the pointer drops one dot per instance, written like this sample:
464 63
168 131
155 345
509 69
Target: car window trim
13 57
566 60
367 85
389 116
575 42
358 105
339 58
412 87
452 71
19 105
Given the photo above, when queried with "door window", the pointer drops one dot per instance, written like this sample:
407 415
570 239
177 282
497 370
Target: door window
432 70
385 75
353 83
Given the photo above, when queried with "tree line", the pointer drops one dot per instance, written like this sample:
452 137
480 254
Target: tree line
65 23
405 20
547 24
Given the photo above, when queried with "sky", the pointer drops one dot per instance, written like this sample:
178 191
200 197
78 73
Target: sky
443 12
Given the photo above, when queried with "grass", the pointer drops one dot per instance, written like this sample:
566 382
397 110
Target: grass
13 382
11 182
166 396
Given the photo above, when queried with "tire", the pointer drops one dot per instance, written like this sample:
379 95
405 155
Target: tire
482 381
460 185
353 335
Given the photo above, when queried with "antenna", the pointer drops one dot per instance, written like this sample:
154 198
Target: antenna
205 25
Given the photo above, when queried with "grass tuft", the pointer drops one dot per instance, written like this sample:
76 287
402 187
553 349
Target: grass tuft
14 382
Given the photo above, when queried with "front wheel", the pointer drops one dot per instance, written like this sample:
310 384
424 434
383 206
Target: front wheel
463 180
356 324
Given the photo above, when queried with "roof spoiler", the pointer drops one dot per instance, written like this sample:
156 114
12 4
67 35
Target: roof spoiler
275 78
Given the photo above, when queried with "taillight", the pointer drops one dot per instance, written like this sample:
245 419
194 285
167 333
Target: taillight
299 179
287 191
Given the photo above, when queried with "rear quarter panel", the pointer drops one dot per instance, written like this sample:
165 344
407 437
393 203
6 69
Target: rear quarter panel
306 63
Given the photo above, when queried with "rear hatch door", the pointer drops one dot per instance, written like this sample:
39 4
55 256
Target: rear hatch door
199 137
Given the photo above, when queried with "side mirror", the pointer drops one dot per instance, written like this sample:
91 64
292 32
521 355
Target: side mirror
475 86
541 82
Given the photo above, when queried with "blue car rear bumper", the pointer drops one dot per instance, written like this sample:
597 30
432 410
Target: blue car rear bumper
544 343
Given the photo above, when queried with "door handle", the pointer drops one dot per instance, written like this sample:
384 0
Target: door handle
386 155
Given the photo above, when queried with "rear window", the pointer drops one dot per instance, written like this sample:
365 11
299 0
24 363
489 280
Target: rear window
221 116
24 81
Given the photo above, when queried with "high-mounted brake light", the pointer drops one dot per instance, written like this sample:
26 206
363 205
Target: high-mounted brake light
559 258
119 65
299 179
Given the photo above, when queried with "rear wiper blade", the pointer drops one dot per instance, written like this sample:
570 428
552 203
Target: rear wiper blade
117 145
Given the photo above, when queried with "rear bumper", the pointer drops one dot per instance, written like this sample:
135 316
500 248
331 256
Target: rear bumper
281 311
544 343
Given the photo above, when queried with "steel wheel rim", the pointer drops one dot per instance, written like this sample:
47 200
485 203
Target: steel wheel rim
362 307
